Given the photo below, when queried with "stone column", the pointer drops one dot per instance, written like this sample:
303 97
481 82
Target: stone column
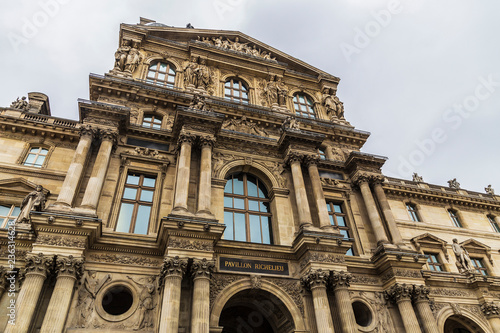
341 281
75 169
183 169
492 313
96 181
401 295
376 222
316 282
69 270
386 210
205 189
37 269
3 280
172 272
319 197
201 271
300 191
421 300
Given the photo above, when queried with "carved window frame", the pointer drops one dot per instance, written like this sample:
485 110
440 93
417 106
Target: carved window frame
159 82
478 250
154 116
27 149
5 218
231 97
130 164
430 244
306 109
438 262
350 222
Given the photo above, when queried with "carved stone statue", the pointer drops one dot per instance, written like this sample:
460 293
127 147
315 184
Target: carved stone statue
20 104
189 75
146 302
86 298
197 75
464 263
198 103
454 184
121 55
489 190
133 58
244 126
33 201
290 123
237 46
417 178
270 91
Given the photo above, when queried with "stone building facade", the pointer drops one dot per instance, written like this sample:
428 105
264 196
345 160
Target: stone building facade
213 184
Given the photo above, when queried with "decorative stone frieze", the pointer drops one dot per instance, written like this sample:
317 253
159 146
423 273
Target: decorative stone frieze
57 240
188 244
123 259
322 257
202 268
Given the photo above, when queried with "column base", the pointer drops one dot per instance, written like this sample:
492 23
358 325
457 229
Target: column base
85 210
206 214
181 211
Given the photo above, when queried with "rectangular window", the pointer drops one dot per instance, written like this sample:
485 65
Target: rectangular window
434 263
412 211
454 218
136 204
338 219
493 223
479 265
8 213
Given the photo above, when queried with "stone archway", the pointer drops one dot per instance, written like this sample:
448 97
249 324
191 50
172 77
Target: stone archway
255 310
461 324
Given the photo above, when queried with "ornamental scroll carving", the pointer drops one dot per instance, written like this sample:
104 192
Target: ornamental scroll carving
292 288
277 170
190 244
219 282
61 241
89 288
321 257
235 45
363 279
124 259
219 160
450 292
243 125
401 273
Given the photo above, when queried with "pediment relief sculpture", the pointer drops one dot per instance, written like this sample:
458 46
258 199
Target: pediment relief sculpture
236 45
243 125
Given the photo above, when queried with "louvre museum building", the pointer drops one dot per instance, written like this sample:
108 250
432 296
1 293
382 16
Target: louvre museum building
213 183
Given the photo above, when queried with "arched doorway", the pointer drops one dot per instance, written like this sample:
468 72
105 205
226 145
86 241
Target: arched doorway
255 311
461 324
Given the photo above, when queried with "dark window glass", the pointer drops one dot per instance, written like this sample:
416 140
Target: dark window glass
493 223
152 121
162 74
246 209
321 153
8 213
454 218
479 265
136 204
236 91
338 219
303 106
434 263
412 211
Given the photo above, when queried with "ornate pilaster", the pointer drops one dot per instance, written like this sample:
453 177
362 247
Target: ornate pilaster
36 271
201 271
492 312
401 294
311 162
362 181
421 300
172 271
185 143
295 160
68 270
341 282
70 184
205 189
96 181
316 282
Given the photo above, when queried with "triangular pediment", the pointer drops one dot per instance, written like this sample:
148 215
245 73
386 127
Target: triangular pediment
474 244
18 187
232 43
428 239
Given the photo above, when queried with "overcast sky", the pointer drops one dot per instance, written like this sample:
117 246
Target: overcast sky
422 76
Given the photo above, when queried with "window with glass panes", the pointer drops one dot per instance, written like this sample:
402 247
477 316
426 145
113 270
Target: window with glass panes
247 213
151 121
412 211
434 263
136 204
236 91
479 266
36 157
303 106
162 74
338 218
493 223
321 153
454 218
8 213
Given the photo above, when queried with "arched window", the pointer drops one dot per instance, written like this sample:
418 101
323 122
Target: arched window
36 156
152 121
236 90
247 213
161 74
303 105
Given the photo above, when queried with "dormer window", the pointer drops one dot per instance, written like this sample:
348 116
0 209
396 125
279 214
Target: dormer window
236 90
161 74
303 105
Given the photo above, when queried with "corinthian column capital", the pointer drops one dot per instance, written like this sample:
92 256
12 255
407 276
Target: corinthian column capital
88 130
341 279
315 278
38 264
202 268
490 309
421 293
399 292
173 267
292 157
69 266
311 160
207 141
